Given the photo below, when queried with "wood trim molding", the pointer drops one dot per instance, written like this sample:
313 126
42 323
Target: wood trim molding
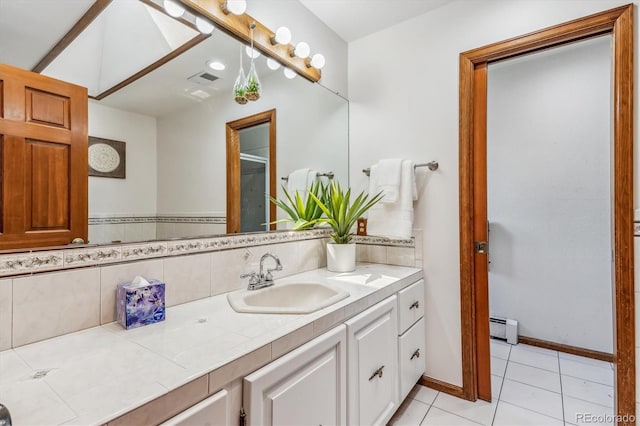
91 14
619 23
568 349
441 386
238 27
233 165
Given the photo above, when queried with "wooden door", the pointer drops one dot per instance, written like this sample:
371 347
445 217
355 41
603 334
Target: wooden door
43 158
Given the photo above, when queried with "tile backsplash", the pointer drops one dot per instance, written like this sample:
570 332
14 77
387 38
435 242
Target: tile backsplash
47 304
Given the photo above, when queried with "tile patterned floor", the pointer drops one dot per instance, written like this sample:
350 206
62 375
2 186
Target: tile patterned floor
530 386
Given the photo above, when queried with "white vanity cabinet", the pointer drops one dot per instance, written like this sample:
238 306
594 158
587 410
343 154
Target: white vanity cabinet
411 337
372 364
304 387
220 409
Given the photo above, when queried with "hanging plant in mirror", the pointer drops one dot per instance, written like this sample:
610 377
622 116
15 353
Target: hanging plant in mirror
253 89
239 88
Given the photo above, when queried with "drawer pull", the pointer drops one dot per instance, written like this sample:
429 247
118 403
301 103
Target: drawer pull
416 354
378 373
415 305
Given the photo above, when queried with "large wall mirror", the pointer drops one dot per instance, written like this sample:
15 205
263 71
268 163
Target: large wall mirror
173 118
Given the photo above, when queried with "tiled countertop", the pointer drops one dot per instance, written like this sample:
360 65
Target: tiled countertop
95 375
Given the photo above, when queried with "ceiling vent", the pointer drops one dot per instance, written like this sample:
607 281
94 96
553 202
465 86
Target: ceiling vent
203 78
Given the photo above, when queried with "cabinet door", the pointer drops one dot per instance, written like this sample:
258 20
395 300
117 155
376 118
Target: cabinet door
43 160
305 387
213 411
372 364
411 353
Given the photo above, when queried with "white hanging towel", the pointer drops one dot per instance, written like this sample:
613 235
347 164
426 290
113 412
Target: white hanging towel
389 173
312 175
393 220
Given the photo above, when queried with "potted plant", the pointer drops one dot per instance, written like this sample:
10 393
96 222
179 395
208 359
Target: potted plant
341 215
303 214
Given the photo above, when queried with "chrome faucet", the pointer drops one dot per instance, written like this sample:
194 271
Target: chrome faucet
260 279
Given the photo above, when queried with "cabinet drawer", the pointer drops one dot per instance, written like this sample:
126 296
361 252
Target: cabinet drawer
411 353
410 305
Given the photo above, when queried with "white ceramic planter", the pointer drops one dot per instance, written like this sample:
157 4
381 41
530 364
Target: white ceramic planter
341 257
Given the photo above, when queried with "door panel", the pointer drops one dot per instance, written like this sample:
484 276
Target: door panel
47 186
43 125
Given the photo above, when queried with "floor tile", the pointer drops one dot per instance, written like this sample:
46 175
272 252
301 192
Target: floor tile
511 415
438 417
588 391
602 374
498 366
479 411
578 412
423 394
532 398
534 357
533 376
499 349
410 413
584 360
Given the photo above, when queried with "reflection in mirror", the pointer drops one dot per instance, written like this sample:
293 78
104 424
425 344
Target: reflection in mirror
173 122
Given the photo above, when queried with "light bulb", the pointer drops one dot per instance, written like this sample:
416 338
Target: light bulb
283 36
302 50
237 7
204 25
317 61
289 73
273 64
173 9
251 54
216 65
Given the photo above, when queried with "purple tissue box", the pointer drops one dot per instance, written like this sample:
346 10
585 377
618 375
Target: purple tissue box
140 305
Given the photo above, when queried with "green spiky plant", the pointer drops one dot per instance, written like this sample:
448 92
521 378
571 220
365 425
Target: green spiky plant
303 214
340 214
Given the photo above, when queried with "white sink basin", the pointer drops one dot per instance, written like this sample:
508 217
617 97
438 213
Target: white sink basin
290 298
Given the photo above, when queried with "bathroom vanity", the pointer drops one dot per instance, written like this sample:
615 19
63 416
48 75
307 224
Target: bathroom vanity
352 362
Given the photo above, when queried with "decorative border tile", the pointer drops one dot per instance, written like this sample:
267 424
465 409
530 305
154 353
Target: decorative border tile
384 241
93 256
144 251
20 263
117 220
63 258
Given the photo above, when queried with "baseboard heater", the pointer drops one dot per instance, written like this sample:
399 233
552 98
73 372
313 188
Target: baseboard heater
504 329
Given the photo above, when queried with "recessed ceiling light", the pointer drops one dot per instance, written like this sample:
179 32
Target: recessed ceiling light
200 94
216 65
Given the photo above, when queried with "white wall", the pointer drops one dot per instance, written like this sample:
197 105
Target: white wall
137 193
403 91
549 195
192 143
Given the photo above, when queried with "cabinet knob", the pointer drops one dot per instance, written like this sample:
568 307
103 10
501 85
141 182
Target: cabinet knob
415 305
416 354
377 373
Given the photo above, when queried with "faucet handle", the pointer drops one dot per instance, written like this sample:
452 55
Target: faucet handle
253 277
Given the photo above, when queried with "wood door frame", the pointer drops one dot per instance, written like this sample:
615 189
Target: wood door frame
233 165
619 23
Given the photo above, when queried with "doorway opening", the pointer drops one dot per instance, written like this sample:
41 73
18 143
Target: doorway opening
473 196
251 172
